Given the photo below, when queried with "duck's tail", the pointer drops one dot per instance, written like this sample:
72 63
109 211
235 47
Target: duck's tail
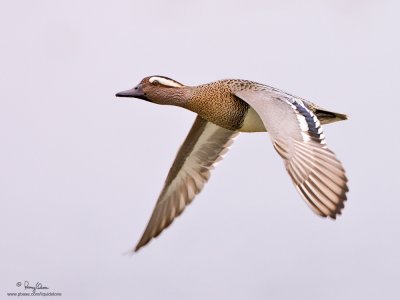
326 116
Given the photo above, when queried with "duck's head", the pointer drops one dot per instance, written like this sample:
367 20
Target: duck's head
157 89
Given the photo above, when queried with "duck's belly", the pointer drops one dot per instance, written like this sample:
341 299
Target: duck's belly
252 122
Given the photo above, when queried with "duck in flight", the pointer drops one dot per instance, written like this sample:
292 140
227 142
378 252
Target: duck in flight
225 108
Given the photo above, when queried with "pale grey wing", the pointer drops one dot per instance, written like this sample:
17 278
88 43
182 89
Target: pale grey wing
297 136
205 144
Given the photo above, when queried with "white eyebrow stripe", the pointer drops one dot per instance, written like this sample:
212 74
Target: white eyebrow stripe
165 81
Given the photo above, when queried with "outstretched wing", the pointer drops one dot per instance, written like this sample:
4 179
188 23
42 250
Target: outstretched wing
298 137
205 144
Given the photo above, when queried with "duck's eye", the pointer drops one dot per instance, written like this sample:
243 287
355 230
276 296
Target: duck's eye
155 82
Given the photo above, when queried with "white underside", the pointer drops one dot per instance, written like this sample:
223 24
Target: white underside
252 122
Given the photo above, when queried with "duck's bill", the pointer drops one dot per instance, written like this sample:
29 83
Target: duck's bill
136 92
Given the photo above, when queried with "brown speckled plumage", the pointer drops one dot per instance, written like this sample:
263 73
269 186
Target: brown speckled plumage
216 103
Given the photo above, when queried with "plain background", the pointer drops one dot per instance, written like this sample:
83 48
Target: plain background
80 170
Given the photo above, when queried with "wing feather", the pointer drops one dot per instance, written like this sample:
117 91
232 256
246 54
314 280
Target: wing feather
205 144
298 138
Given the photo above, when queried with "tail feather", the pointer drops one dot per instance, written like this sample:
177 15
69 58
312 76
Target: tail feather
326 116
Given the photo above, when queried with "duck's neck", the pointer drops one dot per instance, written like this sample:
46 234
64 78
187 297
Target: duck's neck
180 97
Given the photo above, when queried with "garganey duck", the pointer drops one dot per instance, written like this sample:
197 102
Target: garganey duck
226 107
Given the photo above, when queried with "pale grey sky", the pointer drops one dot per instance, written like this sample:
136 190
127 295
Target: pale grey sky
80 170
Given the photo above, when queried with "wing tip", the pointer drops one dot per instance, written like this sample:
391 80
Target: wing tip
147 238
138 247
340 206
143 242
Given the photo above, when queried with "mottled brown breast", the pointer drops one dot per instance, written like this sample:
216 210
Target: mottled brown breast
216 103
